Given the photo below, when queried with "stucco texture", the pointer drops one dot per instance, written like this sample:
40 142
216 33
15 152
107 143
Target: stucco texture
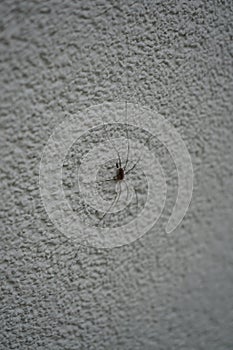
162 291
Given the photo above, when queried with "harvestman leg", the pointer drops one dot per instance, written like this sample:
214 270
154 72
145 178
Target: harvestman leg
116 150
134 166
127 131
115 200
138 160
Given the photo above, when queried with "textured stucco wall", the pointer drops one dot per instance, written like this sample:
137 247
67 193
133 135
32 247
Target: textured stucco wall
161 292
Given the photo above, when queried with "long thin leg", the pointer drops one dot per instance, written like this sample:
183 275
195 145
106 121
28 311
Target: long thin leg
118 154
136 197
136 204
134 166
115 200
127 190
114 178
97 182
138 160
126 107
127 131
106 180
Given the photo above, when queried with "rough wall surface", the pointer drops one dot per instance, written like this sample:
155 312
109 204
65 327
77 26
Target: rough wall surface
161 292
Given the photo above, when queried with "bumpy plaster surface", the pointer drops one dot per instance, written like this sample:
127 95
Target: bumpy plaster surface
163 291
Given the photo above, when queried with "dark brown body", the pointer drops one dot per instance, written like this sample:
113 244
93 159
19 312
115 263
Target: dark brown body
120 174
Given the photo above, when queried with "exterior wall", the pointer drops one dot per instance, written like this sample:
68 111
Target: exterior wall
162 291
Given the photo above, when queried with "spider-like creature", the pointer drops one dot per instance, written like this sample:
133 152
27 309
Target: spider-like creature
121 171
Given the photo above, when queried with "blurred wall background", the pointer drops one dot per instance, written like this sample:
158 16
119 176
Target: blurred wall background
161 292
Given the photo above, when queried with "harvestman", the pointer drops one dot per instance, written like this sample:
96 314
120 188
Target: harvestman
121 170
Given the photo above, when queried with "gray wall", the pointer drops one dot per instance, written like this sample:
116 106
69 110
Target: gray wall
161 292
